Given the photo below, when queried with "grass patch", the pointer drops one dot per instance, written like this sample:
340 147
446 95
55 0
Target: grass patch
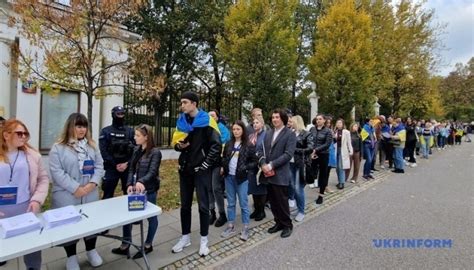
168 195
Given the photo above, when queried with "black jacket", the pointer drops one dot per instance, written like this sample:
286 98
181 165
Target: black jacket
146 168
304 147
322 139
203 152
247 160
116 145
411 132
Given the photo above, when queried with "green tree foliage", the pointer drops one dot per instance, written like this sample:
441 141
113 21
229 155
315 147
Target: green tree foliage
343 61
457 92
404 42
260 46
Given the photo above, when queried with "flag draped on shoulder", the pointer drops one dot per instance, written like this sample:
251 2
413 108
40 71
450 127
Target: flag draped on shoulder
366 132
183 127
401 132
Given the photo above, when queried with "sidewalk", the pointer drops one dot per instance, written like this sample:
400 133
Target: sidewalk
170 230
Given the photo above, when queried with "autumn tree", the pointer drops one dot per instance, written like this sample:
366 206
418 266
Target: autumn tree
405 44
457 92
259 44
82 46
343 61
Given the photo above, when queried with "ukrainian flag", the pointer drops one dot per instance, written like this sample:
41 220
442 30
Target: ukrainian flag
183 128
422 140
366 131
401 132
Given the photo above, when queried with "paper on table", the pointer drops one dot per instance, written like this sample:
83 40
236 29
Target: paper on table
61 216
19 224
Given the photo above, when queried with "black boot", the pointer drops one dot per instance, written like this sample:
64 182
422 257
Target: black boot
319 200
212 217
260 215
221 220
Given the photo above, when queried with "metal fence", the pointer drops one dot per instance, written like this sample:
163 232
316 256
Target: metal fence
141 112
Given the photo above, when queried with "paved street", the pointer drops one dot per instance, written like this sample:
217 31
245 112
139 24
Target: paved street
432 201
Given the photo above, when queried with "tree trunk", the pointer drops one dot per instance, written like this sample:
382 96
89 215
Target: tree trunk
89 109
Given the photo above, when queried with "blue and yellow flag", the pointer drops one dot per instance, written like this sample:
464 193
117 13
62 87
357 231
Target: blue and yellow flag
183 127
367 130
422 140
401 132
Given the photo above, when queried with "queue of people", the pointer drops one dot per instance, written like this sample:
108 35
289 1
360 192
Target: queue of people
273 164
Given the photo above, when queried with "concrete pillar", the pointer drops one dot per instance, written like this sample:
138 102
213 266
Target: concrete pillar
376 107
5 79
313 100
353 114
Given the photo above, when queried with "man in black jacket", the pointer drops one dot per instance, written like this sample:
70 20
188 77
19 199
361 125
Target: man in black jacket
274 159
200 150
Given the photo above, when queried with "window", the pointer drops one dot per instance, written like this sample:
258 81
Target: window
54 112
64 2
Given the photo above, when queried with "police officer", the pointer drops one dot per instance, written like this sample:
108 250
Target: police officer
116 144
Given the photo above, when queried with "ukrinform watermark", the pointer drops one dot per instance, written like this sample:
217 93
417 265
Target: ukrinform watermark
412 243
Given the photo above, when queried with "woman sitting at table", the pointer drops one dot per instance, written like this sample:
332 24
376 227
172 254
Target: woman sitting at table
143 176
21 167
76 168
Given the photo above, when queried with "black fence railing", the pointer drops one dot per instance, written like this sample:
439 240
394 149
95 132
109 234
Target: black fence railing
143 112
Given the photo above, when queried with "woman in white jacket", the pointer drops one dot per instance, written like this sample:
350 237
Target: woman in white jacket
342 143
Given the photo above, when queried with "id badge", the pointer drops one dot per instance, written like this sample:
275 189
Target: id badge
88 167
8 195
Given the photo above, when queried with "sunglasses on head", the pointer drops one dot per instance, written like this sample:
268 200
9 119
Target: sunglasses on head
144 129
22 134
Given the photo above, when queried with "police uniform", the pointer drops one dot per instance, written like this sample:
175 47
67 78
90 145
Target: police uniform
116 144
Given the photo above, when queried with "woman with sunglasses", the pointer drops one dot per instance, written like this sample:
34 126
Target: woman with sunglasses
76 168
21 168
144 175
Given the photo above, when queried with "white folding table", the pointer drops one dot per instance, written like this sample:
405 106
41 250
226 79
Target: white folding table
97 217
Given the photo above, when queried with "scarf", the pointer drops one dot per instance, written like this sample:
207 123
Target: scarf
183 127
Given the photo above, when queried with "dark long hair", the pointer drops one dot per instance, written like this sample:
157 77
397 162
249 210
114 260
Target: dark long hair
69 130
244 138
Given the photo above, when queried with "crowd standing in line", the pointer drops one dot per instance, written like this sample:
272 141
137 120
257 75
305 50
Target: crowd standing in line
273 164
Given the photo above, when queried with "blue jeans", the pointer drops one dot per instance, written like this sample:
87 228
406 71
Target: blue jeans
291 187
398 158
368 155
298 188
441 141
152 224
341 173
233 190
426 146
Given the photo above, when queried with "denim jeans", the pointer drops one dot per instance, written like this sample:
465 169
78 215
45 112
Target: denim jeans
233 190
426 146
368 155
341 173
152 224
441 141
291 187
299 188
398 158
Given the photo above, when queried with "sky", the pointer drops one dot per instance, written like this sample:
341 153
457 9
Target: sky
458 37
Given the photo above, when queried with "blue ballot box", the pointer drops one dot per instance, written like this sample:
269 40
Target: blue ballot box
136 202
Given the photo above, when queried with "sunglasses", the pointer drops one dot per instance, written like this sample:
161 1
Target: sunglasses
22 134
144 129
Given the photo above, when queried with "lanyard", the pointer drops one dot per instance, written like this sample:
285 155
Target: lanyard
13 167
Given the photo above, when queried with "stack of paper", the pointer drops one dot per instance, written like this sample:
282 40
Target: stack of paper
61 216
20 224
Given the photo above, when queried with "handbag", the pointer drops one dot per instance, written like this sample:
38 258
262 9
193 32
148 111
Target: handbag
307 173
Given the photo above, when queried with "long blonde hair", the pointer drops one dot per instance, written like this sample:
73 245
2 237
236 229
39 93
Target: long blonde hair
299 123
69 130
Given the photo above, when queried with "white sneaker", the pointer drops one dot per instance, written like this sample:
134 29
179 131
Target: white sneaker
311 186
203 249
184 241
299 217
291 203
413 165
94 258
72 263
